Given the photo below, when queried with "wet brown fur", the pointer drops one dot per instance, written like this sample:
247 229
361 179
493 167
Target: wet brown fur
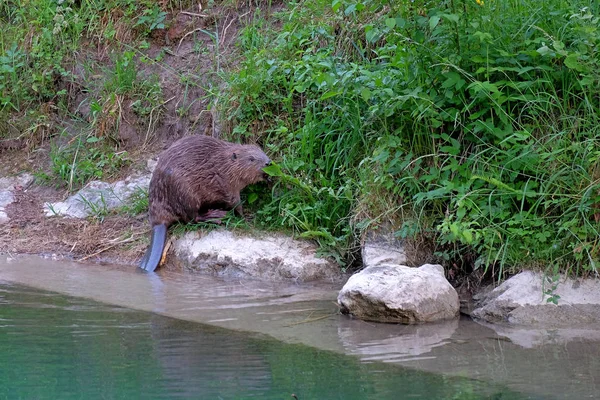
200 173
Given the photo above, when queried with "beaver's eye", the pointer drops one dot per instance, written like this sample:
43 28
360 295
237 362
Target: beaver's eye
251 158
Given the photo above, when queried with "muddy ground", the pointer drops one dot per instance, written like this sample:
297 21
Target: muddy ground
122 238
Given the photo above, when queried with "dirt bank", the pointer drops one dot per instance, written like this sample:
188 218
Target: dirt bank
186 57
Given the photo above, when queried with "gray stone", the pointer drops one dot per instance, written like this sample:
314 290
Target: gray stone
269 257
98 197
7 188
6 198
381 247
10 183
151 164
399 294
523 299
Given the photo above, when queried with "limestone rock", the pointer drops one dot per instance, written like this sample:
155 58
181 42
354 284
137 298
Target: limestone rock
6 197
7 188
381 247
270 257
151 164
97 197
523 299
396 293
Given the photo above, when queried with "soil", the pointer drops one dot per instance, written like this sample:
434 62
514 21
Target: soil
116 238
187 51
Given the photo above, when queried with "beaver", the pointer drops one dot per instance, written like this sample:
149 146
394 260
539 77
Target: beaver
198 178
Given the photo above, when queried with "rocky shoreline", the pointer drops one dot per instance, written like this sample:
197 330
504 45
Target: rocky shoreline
386 290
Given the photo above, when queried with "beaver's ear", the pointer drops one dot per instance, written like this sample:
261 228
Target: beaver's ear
234 156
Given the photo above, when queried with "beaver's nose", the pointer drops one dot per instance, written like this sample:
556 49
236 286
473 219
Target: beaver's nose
269 163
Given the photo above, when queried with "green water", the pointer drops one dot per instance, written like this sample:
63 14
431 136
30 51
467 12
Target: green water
58 347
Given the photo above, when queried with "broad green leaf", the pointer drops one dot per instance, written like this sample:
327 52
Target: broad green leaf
273 170
329 94
366 94
467 235
572 62
252 197
336 4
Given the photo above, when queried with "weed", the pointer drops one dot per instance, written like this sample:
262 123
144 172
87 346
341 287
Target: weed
137 203
78 161
151 19
97 209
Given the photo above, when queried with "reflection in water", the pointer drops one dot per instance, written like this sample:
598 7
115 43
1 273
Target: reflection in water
58 347
396 342
536 337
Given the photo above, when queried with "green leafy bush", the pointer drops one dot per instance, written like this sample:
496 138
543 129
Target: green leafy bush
472 122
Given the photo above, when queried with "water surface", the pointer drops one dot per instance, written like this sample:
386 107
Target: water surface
542 363
54 346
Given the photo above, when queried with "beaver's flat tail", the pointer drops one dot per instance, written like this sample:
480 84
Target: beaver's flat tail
157 245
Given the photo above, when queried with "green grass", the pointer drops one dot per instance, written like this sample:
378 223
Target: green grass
40 48
136 204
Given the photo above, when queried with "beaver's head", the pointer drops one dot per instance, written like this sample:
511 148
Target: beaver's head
249 161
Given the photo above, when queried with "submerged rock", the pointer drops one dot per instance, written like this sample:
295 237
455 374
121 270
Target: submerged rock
269 257
97 197
523 299
399 294
7 187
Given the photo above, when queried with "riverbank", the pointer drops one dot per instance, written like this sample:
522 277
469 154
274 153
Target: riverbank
459 144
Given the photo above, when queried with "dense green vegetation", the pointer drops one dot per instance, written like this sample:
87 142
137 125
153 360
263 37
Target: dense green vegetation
473 124
468 125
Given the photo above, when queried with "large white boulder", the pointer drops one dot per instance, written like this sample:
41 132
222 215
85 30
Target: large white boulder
399 294
524 299
268 257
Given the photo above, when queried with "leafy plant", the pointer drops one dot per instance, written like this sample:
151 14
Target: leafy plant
472 124
151 19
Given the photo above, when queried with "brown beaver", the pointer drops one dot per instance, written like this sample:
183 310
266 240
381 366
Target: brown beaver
197 179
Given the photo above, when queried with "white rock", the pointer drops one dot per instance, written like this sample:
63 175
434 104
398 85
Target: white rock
396 293
6 197
523 299
151 164
3 217
7 187
97 196
9 183
270 257
381 247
